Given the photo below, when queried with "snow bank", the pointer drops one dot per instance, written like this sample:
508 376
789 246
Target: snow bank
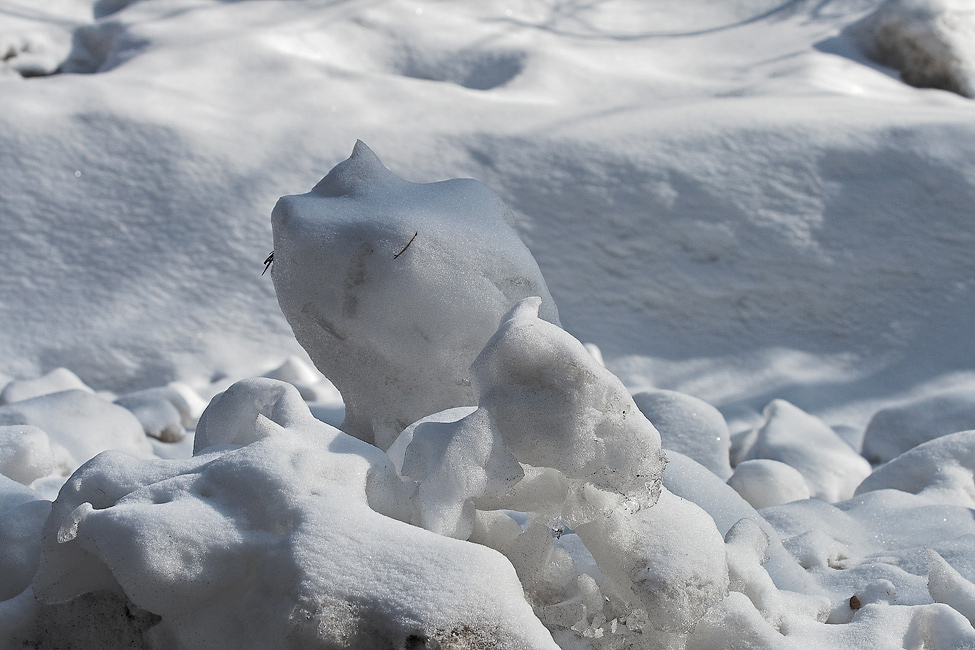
930 42
394 287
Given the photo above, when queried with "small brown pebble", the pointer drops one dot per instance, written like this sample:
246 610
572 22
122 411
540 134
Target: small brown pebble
855 603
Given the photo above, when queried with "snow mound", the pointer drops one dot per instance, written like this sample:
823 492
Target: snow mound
243 547
53 382
25 453
689 425
931 42
763 482
166 411
394 287
832 468
79 426
943 468
900 427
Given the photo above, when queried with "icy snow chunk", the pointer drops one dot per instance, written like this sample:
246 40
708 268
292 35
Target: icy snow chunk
285 542
555 406
931 42
393 288
943 468
690 426
79 424
832 469
53 382
894 430
25 453
763 482
668 559
248 411
456 465
949 587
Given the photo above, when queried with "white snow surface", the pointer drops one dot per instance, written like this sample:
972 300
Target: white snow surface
762 231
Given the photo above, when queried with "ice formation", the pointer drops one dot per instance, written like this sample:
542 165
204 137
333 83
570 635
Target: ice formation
930 42
394 287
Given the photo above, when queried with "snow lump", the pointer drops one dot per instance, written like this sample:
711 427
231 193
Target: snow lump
394 287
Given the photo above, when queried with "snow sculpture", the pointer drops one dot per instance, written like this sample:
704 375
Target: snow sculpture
261 545
931 42
556 406
394 287
556 435
668 560
545 402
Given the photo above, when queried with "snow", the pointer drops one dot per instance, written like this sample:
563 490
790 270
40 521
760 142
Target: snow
364 244
755 222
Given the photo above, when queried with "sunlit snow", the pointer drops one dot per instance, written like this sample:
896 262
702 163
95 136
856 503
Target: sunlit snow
688 366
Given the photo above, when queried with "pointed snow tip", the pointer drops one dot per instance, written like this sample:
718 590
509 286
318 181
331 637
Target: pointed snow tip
359 169
524 308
